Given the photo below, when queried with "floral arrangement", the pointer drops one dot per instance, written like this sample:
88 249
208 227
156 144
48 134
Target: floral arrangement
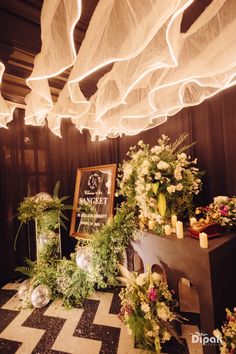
222 211
227 334
161 180
147 309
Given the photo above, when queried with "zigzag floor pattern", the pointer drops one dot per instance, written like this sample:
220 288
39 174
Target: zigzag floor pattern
94 329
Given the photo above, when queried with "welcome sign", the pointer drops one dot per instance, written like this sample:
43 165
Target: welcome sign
93 199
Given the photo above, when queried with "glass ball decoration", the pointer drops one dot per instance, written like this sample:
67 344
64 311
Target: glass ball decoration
45 237
83 258
43 197
24 289
41 296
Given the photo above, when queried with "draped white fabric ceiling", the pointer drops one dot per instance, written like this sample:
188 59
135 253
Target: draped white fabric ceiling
157 69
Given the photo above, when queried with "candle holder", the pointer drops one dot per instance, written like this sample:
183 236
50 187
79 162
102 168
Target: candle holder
211 229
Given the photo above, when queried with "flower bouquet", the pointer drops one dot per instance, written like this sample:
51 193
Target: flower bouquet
147 309
222 211
227 335
215 217
160 181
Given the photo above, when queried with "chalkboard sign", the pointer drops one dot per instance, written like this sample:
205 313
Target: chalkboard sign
93 199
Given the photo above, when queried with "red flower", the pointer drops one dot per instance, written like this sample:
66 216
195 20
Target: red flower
152 294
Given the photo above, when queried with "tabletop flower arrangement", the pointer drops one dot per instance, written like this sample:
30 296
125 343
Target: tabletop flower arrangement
221 211
160 181
227 334
147 309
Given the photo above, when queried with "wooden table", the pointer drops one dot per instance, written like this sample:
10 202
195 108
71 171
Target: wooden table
212 271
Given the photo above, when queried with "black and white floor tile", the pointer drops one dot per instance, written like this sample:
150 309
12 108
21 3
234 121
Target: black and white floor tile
93 329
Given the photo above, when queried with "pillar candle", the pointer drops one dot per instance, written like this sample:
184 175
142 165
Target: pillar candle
192 221
203 240
179 229
173 221
151 224
167 230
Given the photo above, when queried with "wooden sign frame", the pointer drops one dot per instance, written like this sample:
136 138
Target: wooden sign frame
96 186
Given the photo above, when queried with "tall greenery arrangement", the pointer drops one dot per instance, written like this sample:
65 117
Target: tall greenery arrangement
45 209
62 276
110 242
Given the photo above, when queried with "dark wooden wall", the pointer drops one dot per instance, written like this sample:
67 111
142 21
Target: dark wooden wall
33 155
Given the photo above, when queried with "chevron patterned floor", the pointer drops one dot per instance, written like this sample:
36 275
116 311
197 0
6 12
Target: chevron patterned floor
94 329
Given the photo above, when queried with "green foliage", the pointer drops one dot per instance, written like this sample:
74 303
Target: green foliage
63 277
27 270
72 283
50 250
110 243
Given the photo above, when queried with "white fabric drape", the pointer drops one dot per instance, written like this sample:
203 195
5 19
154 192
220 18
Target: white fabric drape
157 70
58 20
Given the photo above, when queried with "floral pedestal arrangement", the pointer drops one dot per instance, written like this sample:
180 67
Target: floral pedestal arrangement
147 309
227 335
160 181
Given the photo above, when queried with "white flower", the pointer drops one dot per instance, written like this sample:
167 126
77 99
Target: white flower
141 279
140 142
145 171
182 156
171 188
148 187
163 311
127 172
162 165
179 187
129 330
177 173
220 199
145 163
156 277
217 333
151 334
158 175
145 307
166 336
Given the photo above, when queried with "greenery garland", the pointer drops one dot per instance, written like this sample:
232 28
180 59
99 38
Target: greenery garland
110 242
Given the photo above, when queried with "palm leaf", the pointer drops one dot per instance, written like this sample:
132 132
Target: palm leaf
17 234
63 225
56 189
178 142
29 272
186 147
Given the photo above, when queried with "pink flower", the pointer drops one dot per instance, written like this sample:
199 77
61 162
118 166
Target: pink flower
152 294
224 210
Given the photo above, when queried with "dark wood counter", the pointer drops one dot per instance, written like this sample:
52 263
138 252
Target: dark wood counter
212 271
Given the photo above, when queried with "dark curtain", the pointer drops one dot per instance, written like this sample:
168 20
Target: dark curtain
34 157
